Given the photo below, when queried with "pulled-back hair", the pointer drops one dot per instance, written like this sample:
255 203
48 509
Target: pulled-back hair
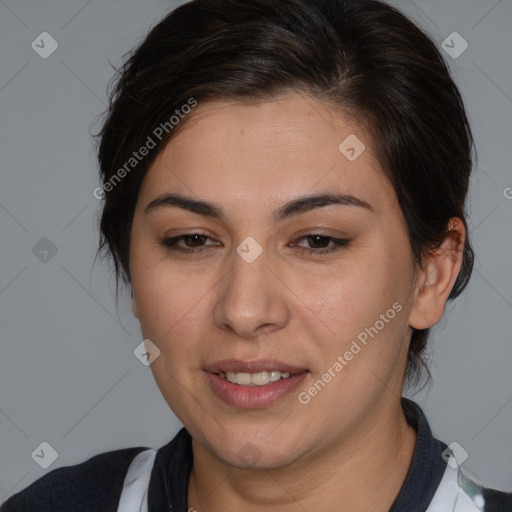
363 57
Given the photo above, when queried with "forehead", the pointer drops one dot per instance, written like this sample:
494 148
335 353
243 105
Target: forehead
272 150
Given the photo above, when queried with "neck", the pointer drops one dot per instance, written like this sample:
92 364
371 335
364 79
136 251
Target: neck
363 471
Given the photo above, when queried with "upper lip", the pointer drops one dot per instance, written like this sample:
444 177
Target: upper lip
259 365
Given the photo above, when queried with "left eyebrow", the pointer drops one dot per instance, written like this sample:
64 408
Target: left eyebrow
307 203
294 207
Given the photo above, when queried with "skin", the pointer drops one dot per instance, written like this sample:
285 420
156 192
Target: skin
288 305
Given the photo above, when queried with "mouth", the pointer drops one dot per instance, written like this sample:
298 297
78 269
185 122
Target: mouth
253 384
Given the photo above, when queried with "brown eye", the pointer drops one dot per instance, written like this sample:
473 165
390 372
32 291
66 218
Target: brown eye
194 242
315 239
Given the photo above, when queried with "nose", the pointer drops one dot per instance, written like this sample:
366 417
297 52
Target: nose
252 298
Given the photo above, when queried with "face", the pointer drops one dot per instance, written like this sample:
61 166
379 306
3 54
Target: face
264 280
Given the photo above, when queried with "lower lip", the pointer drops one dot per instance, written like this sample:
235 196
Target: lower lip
253 397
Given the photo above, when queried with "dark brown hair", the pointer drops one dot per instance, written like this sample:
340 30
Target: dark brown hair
362 56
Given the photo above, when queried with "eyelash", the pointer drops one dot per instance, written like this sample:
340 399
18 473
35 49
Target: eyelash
171 243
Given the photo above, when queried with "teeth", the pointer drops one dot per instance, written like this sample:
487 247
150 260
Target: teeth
253 379
274 376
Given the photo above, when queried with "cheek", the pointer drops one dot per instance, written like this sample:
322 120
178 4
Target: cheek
155 291
174 310
352 296
166 301
363 316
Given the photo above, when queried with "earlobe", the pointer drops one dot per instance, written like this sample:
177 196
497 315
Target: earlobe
436 280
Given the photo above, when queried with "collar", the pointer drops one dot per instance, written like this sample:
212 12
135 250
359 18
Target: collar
427 467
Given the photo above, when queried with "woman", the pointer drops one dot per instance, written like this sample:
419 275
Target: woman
281 197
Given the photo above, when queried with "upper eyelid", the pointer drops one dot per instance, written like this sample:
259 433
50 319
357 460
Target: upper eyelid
299 237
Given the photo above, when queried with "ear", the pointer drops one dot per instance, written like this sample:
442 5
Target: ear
435 281
134 307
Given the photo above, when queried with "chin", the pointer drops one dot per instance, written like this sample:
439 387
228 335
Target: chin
258 451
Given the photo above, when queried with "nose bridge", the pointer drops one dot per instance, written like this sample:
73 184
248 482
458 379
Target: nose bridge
250 297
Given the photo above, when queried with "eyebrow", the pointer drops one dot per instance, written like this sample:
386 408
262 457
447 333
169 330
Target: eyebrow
289 209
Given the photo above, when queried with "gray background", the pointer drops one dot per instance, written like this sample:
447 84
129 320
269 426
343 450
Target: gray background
68 373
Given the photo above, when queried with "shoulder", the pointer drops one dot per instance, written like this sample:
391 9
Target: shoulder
497 501
92 485
462 493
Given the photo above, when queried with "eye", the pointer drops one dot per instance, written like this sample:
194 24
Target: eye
196 241
323 240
